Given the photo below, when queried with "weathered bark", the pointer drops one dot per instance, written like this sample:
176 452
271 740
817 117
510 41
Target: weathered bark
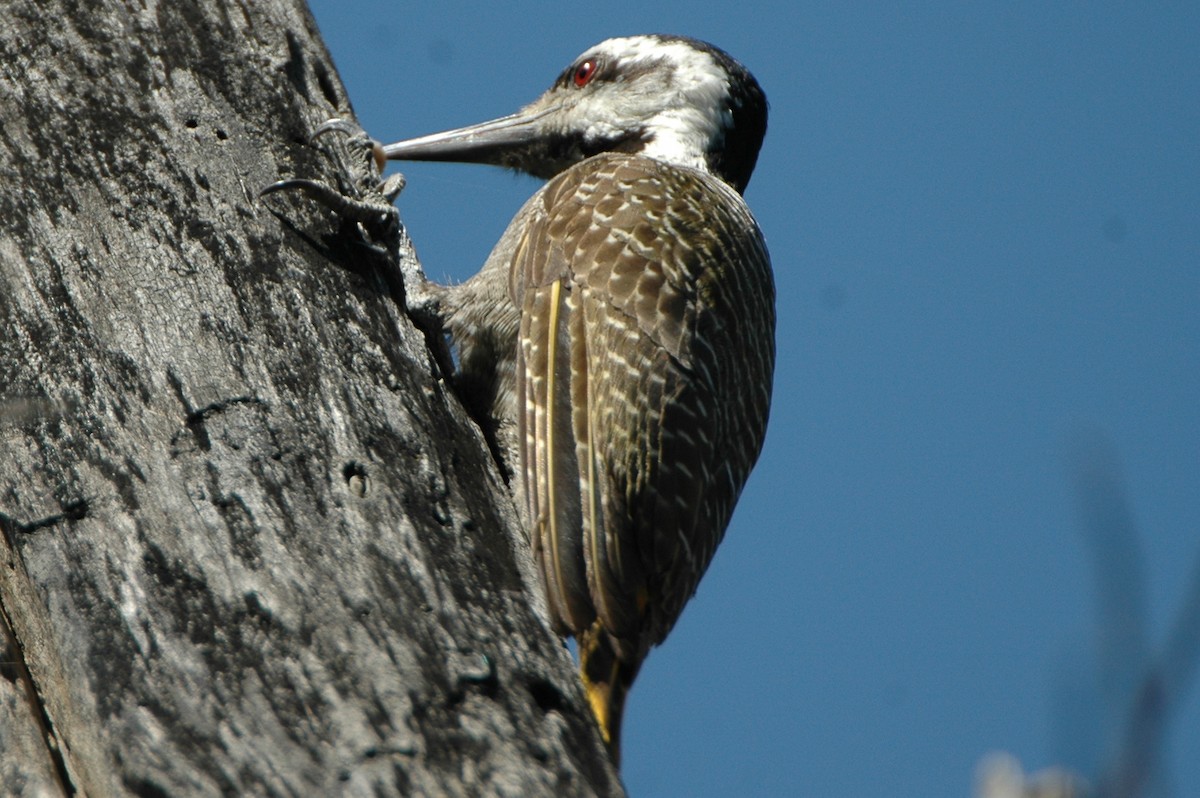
251 543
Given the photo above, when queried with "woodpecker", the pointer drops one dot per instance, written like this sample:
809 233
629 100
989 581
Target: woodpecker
622 332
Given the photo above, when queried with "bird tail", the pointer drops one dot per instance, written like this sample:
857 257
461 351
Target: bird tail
607 679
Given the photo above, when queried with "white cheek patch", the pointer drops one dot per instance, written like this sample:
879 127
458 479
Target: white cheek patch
685 128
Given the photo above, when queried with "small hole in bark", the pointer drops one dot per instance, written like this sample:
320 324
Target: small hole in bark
355 474
547 696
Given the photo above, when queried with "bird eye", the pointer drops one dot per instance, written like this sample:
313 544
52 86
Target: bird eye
584 72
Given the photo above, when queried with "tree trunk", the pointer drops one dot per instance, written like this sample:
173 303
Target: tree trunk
252 544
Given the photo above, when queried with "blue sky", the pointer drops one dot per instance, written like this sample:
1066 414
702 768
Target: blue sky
985 225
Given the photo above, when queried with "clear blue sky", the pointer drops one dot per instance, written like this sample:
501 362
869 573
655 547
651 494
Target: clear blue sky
985 225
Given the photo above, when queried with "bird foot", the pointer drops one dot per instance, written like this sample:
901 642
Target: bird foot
361 198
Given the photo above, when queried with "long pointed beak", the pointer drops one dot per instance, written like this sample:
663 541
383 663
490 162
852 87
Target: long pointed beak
493 142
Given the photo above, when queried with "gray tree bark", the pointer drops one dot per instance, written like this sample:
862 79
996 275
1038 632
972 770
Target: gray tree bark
252 544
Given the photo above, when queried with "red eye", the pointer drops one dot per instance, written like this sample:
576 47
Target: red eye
584 72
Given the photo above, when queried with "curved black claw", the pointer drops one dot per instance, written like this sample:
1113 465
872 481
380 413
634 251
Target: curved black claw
358 162
337 125
354 209
356 137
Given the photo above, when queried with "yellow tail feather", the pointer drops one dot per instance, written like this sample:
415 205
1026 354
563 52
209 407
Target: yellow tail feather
606 679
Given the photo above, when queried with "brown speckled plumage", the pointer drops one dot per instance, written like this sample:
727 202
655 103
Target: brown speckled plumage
651 286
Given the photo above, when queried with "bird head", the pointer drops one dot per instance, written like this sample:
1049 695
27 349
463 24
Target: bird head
672 98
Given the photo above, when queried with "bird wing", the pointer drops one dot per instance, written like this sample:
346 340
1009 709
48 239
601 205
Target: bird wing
644 372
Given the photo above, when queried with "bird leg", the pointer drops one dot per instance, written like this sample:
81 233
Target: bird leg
361 198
